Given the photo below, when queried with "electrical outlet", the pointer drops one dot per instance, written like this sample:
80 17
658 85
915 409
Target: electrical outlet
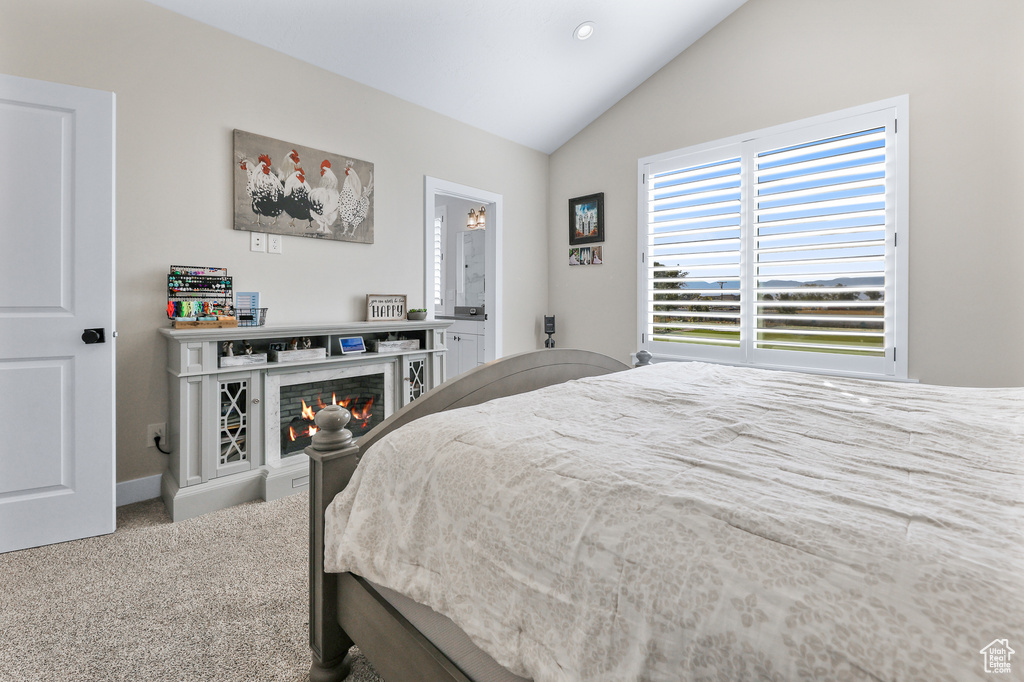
257 241
274 243
154 430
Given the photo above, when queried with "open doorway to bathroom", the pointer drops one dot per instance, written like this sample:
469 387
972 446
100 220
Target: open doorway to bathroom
462 269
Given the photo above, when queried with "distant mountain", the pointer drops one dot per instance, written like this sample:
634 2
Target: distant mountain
793 284
839 281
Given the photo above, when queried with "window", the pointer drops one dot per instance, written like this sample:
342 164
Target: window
786 247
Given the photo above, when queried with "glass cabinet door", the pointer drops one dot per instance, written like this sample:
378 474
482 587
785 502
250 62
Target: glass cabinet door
417 381
234 425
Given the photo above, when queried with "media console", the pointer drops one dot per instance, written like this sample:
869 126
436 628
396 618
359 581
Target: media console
242 401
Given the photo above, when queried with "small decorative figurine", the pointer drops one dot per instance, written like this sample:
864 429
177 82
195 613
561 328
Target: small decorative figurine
227 349
246 348
307 342
293 344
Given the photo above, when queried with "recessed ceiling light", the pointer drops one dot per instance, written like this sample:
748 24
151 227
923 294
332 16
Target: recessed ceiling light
584 30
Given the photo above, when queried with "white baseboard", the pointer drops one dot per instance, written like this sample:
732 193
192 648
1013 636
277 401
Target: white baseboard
138 489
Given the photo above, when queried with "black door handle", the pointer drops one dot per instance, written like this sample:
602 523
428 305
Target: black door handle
94 336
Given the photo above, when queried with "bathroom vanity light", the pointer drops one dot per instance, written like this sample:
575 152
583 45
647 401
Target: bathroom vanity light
477 221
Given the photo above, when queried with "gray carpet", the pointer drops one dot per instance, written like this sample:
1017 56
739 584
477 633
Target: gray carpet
222 597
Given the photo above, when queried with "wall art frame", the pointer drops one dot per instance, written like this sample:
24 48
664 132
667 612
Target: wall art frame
586 219
289 189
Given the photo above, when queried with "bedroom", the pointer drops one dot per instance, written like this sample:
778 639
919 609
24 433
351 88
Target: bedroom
183 86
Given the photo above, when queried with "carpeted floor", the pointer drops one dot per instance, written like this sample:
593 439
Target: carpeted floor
222 597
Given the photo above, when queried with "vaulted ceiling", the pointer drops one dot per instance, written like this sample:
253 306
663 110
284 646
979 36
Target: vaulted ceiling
512 68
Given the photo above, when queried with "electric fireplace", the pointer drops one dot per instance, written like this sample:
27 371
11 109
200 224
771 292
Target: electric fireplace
294 399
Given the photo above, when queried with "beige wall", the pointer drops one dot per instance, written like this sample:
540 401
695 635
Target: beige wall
181 89
775 61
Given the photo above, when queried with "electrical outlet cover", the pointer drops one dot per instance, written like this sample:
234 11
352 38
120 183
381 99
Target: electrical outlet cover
257 241
274 243
153 430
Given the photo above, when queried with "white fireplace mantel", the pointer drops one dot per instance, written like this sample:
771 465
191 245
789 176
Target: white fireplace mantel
223 419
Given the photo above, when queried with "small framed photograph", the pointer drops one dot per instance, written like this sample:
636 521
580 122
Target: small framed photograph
586 219
597 255
385 307
276 346
585 255
574 256
351 344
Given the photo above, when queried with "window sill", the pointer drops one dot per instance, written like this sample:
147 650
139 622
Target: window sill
656 358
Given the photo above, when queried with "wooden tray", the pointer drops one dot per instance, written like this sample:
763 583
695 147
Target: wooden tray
300 354
242 360
376 346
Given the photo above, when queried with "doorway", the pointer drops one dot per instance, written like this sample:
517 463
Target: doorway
454 285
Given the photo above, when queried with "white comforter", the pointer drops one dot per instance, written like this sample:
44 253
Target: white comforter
692 521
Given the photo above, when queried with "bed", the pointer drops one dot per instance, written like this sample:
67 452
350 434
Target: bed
573 520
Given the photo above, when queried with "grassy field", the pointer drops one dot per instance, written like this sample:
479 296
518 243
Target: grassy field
868 345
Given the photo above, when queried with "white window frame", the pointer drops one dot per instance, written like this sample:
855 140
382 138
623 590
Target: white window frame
894 364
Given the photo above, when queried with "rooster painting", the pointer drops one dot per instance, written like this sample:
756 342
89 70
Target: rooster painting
291 162
263 188
336 206
296 197
354 200
324 200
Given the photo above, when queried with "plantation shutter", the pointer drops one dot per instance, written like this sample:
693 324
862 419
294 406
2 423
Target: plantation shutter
780 248
439 235
692 254
822 234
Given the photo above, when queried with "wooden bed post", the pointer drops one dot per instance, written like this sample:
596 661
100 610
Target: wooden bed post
332 460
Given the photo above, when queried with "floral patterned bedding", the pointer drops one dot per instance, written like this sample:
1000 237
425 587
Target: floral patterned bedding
693 521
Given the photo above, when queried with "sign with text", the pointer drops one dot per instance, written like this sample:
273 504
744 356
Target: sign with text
384 307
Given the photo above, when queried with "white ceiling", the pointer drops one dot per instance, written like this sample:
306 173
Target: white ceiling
510 67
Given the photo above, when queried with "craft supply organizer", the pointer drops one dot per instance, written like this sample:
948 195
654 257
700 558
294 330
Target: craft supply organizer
199 292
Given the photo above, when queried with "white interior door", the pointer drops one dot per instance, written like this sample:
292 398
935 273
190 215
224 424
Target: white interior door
56 281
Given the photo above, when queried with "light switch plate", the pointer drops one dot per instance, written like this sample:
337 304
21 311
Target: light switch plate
257 241
274 243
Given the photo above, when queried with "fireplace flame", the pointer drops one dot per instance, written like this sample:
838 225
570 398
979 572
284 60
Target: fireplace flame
304 432
364 414
360 416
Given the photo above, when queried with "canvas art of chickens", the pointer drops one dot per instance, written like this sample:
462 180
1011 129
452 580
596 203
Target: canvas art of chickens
289 189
